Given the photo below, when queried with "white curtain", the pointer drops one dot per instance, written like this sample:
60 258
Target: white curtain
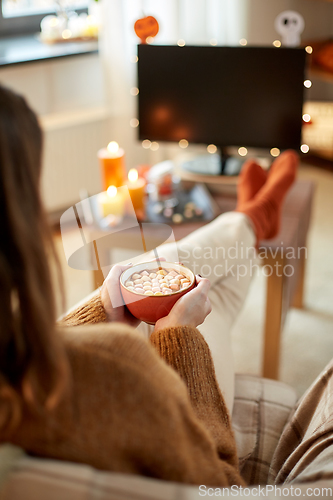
198 22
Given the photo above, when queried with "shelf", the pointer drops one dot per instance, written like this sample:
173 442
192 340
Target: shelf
185 175
29 49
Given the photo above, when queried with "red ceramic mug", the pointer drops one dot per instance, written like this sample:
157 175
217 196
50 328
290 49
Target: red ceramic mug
150 308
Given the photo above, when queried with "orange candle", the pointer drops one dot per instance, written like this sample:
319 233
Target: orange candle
112 162
136 186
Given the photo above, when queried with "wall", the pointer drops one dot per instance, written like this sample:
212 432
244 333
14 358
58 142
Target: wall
318 16
68 94
58 85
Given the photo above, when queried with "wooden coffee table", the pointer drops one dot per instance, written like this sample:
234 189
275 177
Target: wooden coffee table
282 292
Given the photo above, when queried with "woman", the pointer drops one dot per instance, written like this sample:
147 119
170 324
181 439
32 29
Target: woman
102 394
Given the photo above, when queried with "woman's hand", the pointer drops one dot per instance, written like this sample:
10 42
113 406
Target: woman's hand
111 294
191 309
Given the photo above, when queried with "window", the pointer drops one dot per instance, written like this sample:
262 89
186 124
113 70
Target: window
18 17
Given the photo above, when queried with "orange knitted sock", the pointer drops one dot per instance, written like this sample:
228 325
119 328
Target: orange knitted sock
251 179
264 209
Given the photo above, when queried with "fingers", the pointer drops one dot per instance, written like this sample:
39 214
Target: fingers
203 284
202 288
117 270
115 273
199 293
113 287
208 307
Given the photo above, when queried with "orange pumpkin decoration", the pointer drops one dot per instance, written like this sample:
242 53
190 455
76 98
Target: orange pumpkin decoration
146 27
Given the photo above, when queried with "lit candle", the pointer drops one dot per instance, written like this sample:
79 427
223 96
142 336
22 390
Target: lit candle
112 162
136 186
112 202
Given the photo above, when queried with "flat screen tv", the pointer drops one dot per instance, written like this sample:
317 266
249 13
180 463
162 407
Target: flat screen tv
227 96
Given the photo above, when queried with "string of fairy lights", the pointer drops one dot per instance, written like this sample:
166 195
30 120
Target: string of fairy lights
212 148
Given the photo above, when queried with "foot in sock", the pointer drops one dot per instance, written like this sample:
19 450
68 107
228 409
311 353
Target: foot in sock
264 209
251 180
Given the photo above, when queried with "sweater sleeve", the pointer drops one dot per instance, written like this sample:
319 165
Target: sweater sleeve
187 352
91 311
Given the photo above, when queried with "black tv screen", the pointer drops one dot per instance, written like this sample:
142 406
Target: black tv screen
227 96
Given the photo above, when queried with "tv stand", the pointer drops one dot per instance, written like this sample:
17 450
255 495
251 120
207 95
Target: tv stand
213 164
232 165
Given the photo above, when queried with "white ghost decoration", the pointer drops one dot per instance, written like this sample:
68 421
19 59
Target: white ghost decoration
290 24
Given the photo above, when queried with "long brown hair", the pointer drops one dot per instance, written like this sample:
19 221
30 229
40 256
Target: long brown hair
32 360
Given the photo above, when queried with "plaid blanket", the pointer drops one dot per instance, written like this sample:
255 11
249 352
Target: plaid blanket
280 441
261 410
305 452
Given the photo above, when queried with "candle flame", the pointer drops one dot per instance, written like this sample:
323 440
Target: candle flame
133 175
55 21
113 147
111 191
66 34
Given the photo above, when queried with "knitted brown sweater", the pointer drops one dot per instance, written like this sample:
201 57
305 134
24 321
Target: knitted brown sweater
128 411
